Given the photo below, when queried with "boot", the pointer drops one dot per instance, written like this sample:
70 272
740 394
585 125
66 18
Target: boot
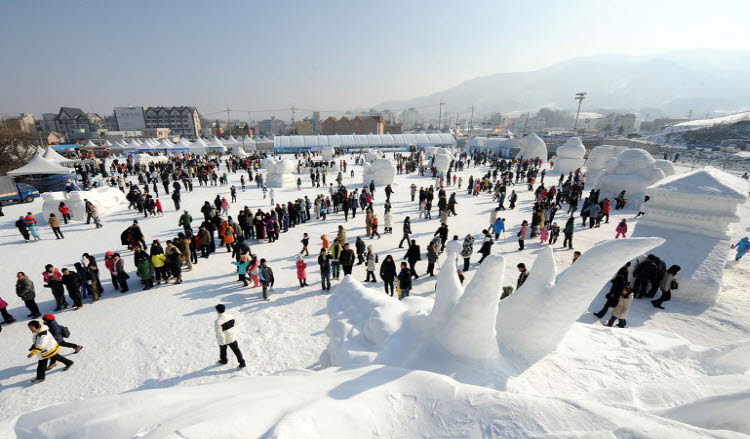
68 367
37 381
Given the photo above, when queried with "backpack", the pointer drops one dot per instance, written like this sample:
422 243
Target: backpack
227 232
64 331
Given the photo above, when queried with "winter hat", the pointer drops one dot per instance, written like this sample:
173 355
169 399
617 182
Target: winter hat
48 317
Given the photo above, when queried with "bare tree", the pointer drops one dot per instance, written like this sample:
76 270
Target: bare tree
16 148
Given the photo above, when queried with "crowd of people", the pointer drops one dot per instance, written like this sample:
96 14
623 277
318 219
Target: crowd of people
225 225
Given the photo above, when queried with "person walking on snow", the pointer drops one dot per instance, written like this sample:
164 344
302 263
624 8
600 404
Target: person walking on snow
59 334
46 348
226 336
742 247
621 229
266 278
301 271
622 309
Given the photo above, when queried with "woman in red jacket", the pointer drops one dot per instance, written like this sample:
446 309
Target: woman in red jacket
65 211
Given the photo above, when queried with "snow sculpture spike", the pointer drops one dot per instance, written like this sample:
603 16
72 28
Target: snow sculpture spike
533 321
447 293
544 270
470 329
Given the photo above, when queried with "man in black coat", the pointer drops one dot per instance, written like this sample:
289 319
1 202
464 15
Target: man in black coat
407 232
347 259
442 231
413 255
324 261
73 284
646 272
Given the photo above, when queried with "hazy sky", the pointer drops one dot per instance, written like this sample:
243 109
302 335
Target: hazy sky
325 54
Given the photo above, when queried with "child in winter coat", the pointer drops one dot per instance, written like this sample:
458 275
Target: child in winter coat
242 266
326 244
305 241
622 308
543 235
254 275
301 271
621 229
34 230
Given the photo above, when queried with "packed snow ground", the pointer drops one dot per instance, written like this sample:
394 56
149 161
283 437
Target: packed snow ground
164 337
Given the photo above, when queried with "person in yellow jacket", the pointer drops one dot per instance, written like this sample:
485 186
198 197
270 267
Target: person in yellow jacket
46 348
159 260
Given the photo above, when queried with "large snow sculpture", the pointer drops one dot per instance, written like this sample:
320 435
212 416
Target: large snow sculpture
280 173
633 171
106 200
666 167
442 161
694 212
372 155
371 401
532 146
569 157
381 171
596 164
327 153
464 333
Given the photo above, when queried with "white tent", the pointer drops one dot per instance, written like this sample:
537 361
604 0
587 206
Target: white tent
166 144
249 144
216 145
51 154
182 143
40 166
91 144
198 147
133 144
231 142
107 143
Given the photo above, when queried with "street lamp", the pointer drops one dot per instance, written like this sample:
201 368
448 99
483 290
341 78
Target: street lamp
579 97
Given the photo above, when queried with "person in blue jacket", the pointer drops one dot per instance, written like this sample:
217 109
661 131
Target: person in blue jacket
498 227
742 247
57 333
242 266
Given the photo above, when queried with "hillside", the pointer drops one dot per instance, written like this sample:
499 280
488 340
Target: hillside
672 83
705 132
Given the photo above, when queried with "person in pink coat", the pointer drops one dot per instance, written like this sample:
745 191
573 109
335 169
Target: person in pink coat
224 206
543 235
253 270
7 318
621 229
301 271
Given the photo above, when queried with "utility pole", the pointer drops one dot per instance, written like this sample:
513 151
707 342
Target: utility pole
440 116
471 121
690 114
229 125
524 125
456 121
579 97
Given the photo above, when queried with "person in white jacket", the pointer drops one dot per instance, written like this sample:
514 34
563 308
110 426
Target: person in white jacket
226 336
46 348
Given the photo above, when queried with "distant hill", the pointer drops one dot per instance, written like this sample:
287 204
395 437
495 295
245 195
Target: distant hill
702 80
705 132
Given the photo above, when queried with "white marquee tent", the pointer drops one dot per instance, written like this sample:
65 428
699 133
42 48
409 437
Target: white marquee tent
365 140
